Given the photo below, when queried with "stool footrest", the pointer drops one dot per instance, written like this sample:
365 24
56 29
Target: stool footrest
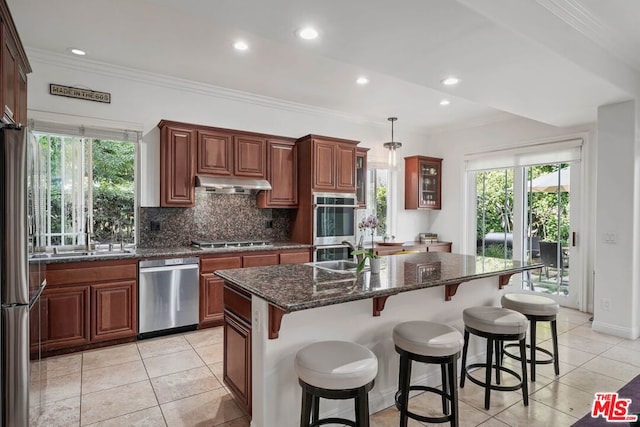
419 417
540 349
333 421
494 386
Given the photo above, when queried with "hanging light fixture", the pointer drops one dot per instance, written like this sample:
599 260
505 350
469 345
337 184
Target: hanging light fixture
392 146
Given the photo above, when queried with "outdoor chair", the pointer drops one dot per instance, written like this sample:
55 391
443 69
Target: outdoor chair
549 257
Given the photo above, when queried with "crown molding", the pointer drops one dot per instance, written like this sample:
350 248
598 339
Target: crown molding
169 82
579 17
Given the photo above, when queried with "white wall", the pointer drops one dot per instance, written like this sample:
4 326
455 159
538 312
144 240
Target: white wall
144 99
616 274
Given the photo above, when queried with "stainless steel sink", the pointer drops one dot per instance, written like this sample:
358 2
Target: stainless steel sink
341 266
82 253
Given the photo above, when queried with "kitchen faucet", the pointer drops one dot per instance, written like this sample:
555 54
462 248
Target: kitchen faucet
348 243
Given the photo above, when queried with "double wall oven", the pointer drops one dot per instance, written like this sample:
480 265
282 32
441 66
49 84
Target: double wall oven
334 221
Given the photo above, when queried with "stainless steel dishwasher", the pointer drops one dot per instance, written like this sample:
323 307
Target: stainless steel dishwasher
168 294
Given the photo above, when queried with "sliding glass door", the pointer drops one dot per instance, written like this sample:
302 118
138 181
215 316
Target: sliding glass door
529 213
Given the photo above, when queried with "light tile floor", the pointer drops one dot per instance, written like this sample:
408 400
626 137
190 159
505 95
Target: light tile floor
177 381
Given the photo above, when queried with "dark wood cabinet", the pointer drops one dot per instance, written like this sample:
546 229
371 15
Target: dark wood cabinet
177 166
113 313
214 153
14 68
65 317
361 176
237 344
250 157
260 260
299 257
282 174
88 302
331 161
211 299
423 182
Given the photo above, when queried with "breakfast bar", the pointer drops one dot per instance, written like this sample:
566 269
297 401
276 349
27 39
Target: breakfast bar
272 312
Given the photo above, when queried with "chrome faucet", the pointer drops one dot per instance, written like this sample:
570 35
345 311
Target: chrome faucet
348 243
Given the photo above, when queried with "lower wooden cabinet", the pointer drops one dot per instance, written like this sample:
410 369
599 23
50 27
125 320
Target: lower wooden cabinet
86 303
237 344
211 306
113 310
65 317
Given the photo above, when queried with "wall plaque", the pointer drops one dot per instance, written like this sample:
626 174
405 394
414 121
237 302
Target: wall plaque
76 92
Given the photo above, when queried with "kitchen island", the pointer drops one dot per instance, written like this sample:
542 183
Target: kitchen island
272 312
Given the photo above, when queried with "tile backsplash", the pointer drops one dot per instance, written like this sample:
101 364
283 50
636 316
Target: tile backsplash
215 217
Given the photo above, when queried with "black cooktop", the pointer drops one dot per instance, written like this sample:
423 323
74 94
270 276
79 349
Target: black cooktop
228 244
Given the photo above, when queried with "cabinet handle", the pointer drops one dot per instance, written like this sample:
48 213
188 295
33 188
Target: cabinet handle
573 238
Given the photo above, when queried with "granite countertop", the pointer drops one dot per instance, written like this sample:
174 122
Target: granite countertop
301 286
181 251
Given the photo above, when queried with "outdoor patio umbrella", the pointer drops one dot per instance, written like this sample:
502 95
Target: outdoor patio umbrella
548 183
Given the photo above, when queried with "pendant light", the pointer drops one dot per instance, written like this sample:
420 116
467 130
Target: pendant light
392 146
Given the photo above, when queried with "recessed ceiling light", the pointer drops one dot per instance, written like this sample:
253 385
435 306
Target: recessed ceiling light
362 80
445 102
241 45
308 33
77 51
450 81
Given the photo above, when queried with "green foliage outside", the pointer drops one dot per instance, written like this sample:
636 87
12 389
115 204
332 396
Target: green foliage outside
113 189
495 207
381 209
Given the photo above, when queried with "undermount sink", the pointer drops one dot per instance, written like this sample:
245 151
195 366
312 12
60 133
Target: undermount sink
341 266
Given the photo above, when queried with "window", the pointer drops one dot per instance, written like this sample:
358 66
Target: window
377 198
89 186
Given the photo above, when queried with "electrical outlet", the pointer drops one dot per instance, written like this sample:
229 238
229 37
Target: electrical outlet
268 223
256 319
606 304
154 225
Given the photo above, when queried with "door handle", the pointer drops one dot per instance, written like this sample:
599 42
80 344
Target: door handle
573 238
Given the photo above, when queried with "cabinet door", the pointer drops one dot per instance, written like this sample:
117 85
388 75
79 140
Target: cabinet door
260 260
237 359
177 168
324 165
250 156
215 153
114 310
282 174
65 317
9 69
211 299
361 177
422 182
346 166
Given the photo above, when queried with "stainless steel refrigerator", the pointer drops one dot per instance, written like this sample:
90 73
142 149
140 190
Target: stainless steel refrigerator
21 278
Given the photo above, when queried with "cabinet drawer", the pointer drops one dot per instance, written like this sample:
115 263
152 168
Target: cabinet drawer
295 257
260 260
238 303
209 265
439 247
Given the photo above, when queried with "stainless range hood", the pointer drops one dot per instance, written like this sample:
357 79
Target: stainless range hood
230 185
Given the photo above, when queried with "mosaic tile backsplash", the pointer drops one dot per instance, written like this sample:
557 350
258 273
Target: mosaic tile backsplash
216 217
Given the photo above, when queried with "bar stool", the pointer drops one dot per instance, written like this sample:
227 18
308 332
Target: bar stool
537 309
497 325
335 370
428 342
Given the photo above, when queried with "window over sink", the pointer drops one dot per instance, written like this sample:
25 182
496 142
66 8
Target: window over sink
88 186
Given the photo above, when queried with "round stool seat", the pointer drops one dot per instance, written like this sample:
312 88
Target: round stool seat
336 365
495 320
530 305
427 338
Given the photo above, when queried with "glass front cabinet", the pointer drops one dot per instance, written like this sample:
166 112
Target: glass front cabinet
361 177
423 182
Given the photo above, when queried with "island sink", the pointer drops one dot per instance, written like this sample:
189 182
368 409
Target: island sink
341 266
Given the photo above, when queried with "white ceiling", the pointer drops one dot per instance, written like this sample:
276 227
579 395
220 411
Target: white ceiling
554 61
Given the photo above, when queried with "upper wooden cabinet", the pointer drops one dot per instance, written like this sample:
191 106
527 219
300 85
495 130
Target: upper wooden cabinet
282 174
214 153
361 176
422 182
250 156
330 161
14 68
177 165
